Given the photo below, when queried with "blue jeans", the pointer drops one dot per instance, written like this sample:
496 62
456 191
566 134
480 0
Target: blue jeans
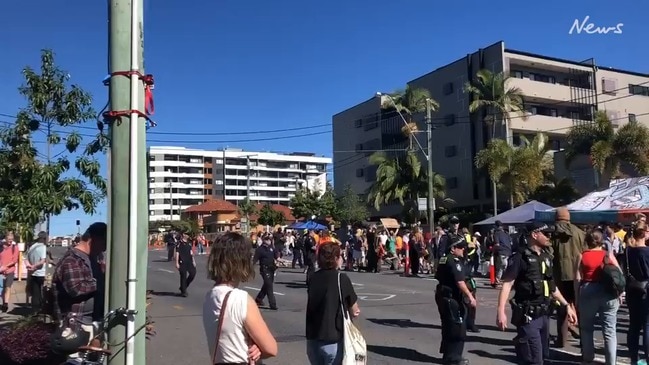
595 300
324 353
532 341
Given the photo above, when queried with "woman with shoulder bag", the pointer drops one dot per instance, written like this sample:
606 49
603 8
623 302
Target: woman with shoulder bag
637 271
324 312
236 332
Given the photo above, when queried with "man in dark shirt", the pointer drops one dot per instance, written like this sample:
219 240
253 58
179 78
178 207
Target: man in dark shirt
267 256
171 245
185 263
298 247
502 250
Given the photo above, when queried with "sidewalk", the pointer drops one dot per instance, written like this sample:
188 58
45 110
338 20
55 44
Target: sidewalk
18 298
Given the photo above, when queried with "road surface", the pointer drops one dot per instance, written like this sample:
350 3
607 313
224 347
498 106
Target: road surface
399 320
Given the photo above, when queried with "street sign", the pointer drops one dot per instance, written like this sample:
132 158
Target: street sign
422 203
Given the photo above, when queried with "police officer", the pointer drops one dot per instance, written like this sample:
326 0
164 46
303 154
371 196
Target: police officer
529 273
473 288
310 246
449 297
267 256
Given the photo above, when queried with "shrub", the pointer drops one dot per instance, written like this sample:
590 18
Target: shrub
27 342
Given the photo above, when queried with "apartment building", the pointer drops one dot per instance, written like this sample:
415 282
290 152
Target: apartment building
181 177
559 94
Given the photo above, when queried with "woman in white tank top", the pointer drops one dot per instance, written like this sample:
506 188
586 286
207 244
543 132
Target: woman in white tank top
244 337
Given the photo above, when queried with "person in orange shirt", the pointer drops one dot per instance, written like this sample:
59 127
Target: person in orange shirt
8 263
398 244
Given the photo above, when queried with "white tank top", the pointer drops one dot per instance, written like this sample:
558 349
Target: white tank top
233 344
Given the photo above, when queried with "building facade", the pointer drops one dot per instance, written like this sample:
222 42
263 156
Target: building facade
558 94
181 177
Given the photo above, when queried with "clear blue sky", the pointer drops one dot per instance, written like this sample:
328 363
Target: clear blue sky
238 66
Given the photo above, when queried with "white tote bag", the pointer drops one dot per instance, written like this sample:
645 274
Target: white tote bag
355 346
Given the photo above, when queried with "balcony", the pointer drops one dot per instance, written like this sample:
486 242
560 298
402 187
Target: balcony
542 123
545 91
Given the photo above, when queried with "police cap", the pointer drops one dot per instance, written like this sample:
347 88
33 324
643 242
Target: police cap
458 242
454 220
537 226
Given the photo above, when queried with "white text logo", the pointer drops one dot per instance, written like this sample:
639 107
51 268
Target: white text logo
590 28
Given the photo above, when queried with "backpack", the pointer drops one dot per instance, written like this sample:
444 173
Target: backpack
612 277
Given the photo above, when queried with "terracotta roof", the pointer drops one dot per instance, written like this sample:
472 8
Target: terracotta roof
214 205
276 207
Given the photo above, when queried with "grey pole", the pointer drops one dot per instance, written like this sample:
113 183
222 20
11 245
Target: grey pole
431 188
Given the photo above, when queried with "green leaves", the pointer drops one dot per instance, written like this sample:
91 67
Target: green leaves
350 208
607 148
270 217
31 188
306 204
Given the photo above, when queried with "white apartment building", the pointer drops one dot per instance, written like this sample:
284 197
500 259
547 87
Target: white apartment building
181 177
559 94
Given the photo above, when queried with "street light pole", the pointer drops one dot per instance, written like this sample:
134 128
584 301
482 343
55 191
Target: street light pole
431 187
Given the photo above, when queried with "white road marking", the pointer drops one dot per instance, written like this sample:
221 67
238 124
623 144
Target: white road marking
165 270
257 289
370 297
430 279
163 257
358 284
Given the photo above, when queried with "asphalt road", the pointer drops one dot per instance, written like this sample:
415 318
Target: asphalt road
399 320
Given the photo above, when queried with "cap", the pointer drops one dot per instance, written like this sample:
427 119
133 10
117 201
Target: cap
454 220
539 227
459 243
477 234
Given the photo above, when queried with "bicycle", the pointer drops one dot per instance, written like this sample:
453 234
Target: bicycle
96 352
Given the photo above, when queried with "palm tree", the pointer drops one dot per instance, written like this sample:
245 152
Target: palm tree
519 169
607 149
556 193
491 92
402 180
409 102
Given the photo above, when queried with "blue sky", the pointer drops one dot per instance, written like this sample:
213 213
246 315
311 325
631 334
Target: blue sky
238 66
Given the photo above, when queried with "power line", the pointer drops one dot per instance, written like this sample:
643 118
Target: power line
210 133
442 121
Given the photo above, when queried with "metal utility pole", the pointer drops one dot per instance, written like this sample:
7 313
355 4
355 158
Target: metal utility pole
127 255
48 216
171 202
431 187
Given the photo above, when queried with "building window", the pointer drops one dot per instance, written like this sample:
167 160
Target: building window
359 172
517 74
553 113
638 90
451 183
359 147
219 161
450 151
448 88
609 86
449 120
632 118
371 125
218 182
358 123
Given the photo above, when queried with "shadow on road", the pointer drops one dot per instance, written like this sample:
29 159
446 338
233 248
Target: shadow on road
293 285
164 293
160 260
403 353
403 323
21 310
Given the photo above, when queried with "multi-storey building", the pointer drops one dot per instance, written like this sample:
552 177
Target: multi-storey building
180 177
558 94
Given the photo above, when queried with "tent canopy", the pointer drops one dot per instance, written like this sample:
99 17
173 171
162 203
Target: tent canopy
307 225
519 215
619 202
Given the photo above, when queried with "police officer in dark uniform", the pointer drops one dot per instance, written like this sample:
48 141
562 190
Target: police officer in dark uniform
449 297
529 274
309 254
267 256
473 288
